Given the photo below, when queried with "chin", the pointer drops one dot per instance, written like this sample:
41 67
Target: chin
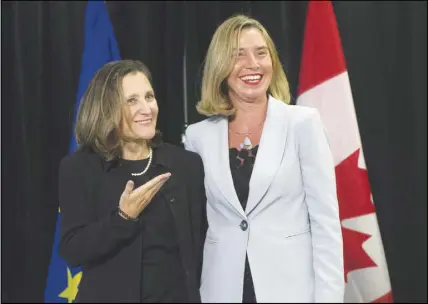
254 95
146 134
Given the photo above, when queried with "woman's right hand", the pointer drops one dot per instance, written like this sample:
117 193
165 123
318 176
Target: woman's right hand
133 201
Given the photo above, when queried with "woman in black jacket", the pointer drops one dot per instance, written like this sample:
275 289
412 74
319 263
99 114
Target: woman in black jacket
132 208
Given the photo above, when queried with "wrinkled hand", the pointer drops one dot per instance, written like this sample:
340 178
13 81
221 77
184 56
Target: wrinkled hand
133 201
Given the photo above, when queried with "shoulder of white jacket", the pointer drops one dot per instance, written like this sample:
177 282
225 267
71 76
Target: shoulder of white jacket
202 126
294 113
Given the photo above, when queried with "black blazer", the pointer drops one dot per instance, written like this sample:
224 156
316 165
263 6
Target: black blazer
109 248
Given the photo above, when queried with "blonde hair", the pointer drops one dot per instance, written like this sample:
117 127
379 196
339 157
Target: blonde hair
219 64
101 109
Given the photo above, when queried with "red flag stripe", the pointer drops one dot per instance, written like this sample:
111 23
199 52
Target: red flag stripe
320 63
387 298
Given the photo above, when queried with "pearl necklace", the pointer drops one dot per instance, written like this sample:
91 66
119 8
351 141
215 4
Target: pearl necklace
148 164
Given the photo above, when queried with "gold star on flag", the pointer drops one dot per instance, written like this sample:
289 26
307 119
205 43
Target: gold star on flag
70 292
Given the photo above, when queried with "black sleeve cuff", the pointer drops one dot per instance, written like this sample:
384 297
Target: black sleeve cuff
124 227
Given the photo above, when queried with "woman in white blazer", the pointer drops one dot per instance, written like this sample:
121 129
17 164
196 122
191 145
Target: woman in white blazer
274 231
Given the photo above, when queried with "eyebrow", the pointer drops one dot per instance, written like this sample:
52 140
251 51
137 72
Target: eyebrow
138 95
132 96
257 48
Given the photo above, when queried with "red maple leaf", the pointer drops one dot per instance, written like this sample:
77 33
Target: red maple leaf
353 191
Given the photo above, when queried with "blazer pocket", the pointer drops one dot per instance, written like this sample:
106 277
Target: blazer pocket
291 235
210 240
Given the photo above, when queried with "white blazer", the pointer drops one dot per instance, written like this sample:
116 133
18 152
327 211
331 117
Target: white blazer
290 227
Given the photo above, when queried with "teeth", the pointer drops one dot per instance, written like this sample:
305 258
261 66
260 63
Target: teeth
256 77
143 122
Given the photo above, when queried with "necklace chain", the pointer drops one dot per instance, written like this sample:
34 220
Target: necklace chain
148 164
244 133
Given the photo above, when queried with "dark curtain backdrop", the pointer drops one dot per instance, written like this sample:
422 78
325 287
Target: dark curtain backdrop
385 47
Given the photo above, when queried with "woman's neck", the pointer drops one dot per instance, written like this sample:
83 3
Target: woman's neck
135 150
248 115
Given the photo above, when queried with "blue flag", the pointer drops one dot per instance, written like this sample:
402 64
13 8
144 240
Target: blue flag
100 47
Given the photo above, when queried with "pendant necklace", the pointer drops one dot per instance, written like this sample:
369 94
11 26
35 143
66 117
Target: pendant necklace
246 144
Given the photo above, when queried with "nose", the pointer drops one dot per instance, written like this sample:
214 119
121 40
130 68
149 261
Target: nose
252 62
143 107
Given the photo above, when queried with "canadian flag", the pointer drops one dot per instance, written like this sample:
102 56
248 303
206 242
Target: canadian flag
324 84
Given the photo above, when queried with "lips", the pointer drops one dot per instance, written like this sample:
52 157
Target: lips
253 79
143 122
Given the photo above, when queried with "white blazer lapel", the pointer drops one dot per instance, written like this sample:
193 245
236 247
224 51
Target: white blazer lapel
221 165
269 154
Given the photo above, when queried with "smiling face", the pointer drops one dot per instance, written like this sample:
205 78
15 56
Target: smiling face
252 71
140 115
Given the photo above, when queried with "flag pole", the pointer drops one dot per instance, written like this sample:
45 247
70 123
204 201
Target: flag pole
185 96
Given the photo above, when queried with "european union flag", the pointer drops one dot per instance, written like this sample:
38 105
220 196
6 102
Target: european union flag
100 47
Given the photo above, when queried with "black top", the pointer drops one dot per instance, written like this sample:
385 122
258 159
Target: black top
110 249
162 272
241 166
